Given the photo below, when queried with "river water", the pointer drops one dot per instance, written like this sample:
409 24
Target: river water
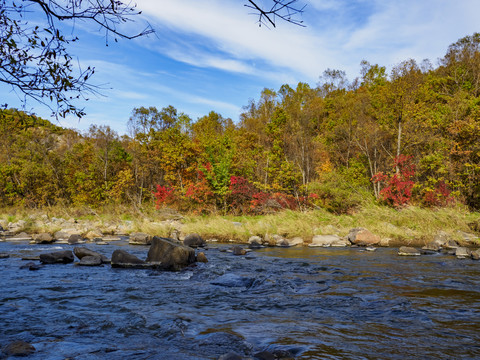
315 303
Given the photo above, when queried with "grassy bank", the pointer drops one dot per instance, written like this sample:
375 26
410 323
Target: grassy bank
410 225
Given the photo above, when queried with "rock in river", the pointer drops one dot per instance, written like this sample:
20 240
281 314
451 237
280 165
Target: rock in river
19 348
123 259
169 255
81 252
57 257
140 239
363 237
462 252
194 241
44 238
408 251
90 261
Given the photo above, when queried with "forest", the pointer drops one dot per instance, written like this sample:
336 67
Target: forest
410 136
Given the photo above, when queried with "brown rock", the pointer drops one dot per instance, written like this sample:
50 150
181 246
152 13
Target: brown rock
201 257
169 255
363 237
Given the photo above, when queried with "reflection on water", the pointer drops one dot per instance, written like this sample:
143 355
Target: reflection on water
315 303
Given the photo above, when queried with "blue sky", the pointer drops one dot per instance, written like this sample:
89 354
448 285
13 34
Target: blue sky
212 55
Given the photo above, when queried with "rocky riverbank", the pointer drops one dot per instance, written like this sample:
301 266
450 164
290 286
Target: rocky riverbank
49 230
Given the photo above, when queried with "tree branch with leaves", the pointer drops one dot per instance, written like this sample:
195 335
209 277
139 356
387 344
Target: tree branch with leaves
34 59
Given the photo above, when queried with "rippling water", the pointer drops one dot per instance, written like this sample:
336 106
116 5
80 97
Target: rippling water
315 303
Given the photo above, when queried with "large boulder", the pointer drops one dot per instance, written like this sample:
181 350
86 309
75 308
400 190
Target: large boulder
57 257
81 252
169 255
194 241
363 237
140 239
123 259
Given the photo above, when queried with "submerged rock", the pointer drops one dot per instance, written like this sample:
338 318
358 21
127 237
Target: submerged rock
31 266
4 256
19 348
122 259
169 255
233 280
194 241
408 251
57 257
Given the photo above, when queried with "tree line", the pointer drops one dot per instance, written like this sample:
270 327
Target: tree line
408 136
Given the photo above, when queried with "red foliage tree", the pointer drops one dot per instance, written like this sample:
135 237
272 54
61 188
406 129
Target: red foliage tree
398 191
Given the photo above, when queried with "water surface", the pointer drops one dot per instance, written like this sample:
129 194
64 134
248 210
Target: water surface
316 303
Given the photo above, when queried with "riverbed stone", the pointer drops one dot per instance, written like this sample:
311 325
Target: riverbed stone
238 250
81 252
255 242
92 234
169 255
19 348
462 252
61 235
44 238
295 241
90 261
75 239
140 239
22 236
31 266
201 257
324 240
194 241
57 257
363 237
475 254
408 251
4 256
451 245
123 259
432 246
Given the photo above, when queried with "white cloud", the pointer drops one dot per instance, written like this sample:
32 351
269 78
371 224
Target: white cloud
382 31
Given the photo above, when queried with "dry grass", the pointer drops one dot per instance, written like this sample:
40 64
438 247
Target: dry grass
399 225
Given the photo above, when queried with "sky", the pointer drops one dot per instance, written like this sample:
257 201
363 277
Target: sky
212 55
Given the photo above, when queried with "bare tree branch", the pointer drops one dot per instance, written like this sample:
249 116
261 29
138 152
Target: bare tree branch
34 60
283 9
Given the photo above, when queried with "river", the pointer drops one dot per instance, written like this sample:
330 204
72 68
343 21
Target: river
315 303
